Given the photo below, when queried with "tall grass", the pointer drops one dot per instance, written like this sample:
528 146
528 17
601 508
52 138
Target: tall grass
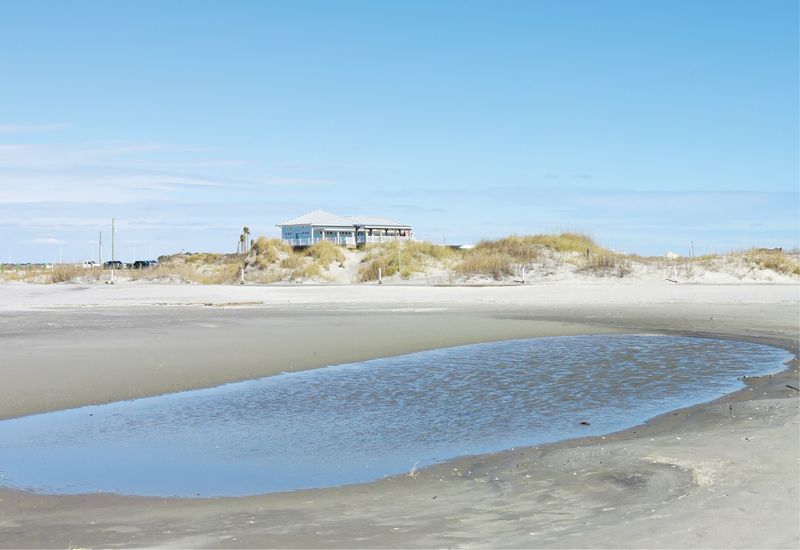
63 273
268 251
568 242
405 258
325 253
607 264
502 258
485 262
776 260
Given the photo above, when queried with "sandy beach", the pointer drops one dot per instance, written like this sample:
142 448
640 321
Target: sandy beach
718 475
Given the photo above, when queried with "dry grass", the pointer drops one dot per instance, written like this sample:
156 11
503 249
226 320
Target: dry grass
607 264
486 263
775 260
404 258
269 251
65 272
504 257
567 242
206 269
325 253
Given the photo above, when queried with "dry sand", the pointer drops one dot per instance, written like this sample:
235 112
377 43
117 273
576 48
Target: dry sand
701 477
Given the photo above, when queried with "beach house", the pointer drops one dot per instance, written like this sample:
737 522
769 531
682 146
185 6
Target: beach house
320 225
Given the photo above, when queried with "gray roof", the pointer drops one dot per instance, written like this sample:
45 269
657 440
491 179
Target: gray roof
319 217
376 221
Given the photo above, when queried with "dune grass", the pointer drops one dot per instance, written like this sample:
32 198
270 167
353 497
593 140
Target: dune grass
483 262
268 251
776 260
405 258
607 264
325 253
505 257
63 273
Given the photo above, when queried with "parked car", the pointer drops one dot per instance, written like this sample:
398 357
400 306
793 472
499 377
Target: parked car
113 264
141 264
90 264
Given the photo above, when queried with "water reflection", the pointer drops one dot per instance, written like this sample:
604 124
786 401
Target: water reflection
358 422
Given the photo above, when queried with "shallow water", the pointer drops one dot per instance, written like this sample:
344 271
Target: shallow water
359 422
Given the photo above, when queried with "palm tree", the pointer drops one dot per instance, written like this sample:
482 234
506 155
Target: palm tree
242 240
246 232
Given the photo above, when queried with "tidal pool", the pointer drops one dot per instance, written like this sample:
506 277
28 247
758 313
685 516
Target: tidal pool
359 422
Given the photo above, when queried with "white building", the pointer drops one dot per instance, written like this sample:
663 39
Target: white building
320 225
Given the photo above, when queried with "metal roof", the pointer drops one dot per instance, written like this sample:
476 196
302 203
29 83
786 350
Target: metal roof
322 218
319 217
376 221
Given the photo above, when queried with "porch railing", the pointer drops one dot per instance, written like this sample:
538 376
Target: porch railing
349 241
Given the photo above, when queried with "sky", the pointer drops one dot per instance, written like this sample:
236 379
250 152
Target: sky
647 125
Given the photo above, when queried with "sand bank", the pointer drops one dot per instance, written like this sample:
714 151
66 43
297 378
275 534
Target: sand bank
704 477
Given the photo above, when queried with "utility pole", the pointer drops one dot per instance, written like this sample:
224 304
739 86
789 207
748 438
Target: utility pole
113 256
100 250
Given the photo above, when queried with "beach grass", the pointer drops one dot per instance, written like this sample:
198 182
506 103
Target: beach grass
405 259
773 259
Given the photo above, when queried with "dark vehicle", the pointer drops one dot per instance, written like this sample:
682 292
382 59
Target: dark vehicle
113 264
141 264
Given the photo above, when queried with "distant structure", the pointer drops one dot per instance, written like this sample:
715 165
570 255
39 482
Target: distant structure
320 225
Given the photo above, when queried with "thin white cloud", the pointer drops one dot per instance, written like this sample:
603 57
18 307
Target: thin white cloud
48 240
31 128
117 172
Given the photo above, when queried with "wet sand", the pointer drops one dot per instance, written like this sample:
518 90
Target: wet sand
723 474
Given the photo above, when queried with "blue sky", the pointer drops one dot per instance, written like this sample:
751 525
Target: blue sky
645 124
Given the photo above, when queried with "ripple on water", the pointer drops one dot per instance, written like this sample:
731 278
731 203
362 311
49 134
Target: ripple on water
358 422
